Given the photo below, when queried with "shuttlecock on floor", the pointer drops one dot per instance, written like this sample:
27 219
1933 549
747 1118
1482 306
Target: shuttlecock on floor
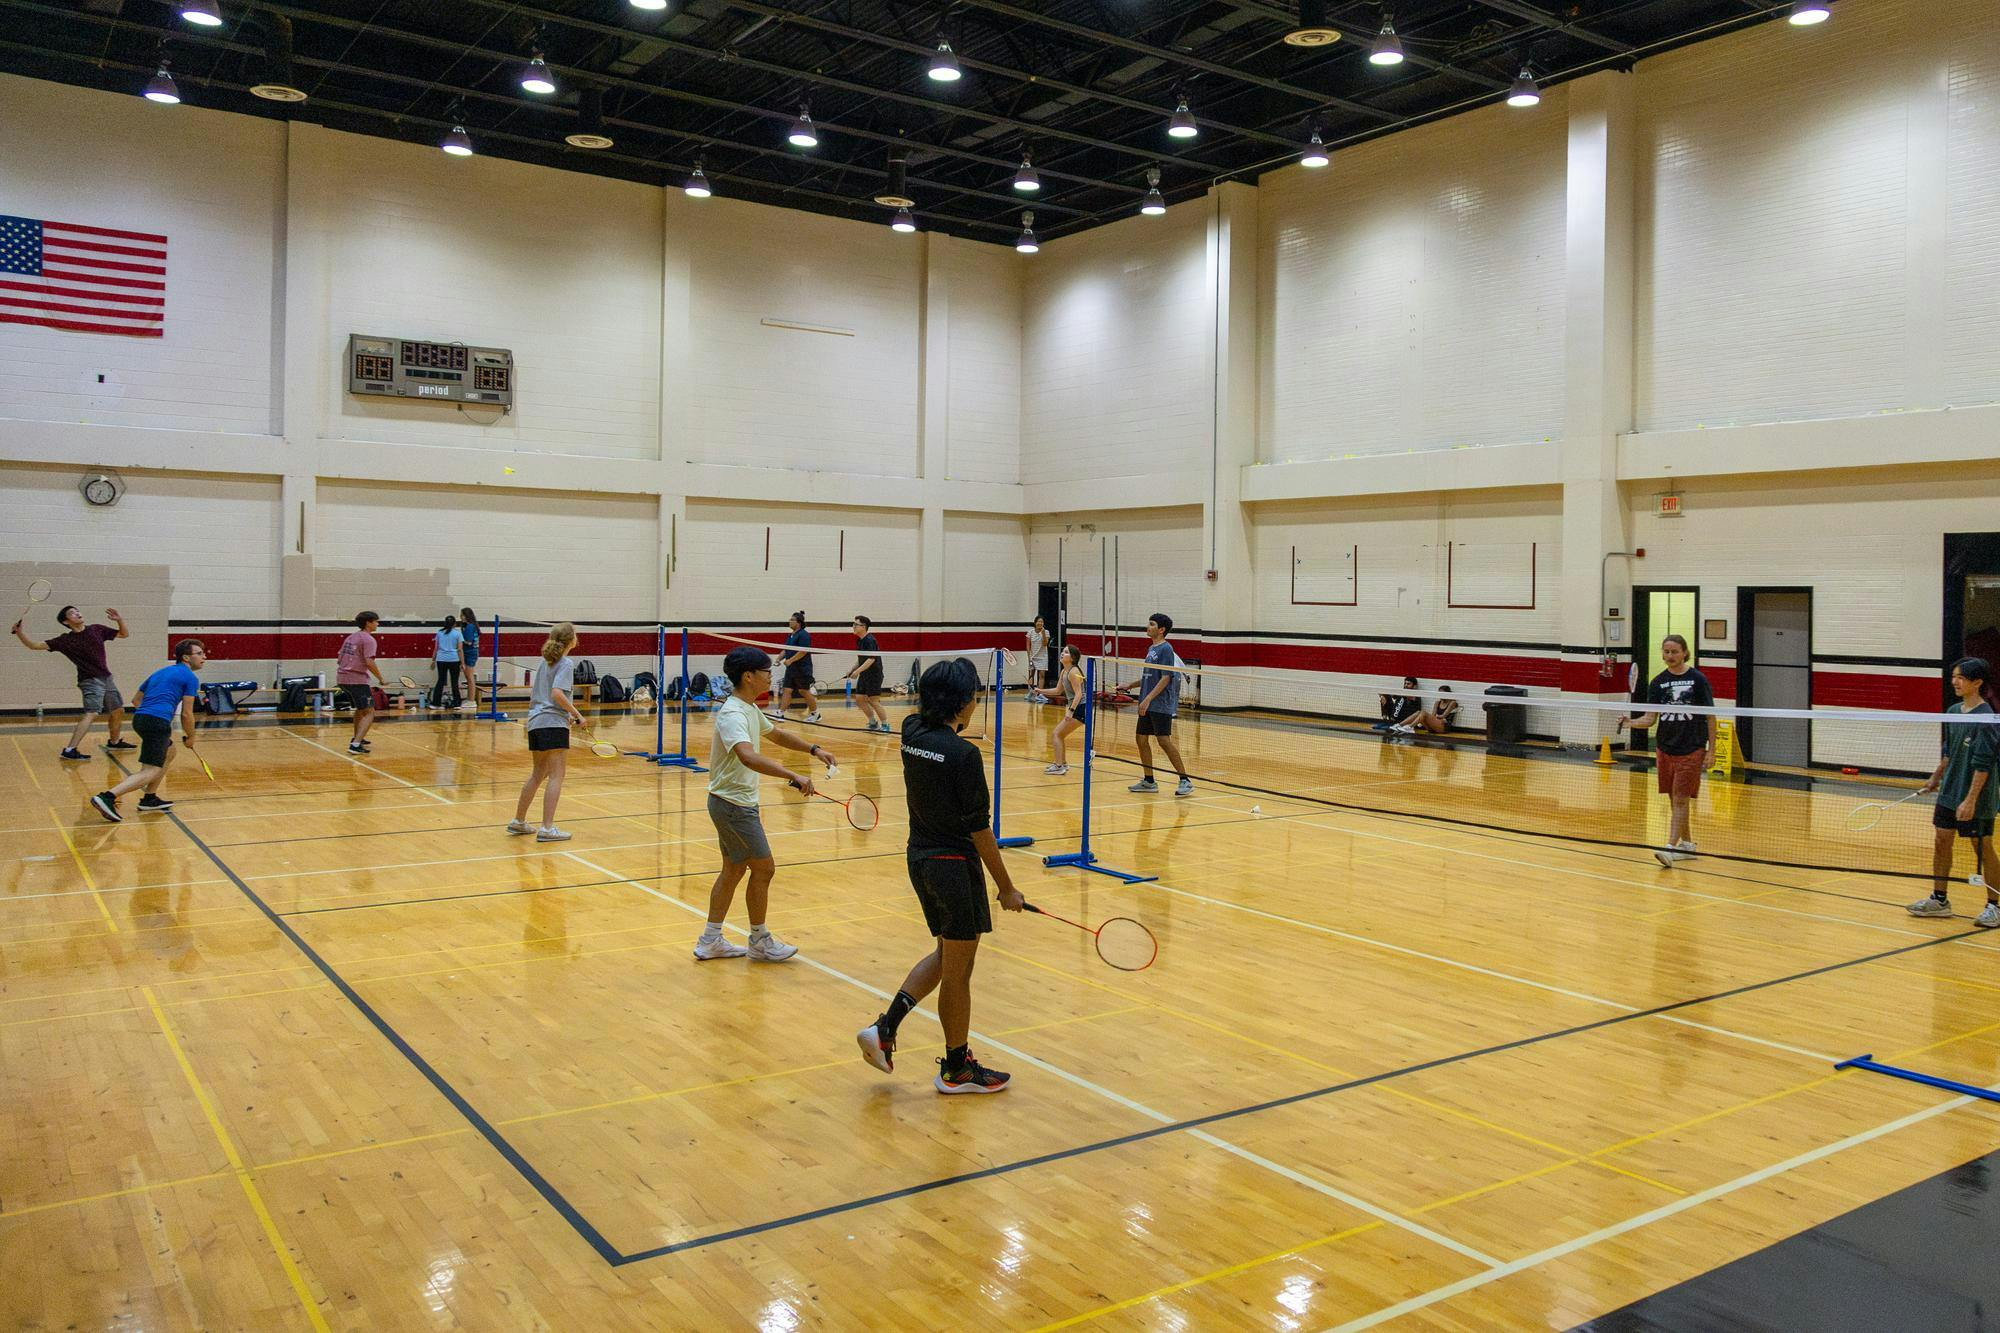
1256 809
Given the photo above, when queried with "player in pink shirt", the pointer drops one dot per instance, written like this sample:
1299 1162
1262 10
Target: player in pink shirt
352 673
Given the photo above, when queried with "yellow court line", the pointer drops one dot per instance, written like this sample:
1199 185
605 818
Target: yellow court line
83 870
146 1188
1719 902
24 762
278 1243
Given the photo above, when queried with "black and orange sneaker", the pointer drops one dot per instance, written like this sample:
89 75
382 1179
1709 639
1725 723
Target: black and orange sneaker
969 1077
878 1045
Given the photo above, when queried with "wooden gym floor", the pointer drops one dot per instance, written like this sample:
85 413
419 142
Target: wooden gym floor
326 1048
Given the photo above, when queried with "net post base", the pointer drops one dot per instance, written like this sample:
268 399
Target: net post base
1014 842
673 761
492 715
1088 861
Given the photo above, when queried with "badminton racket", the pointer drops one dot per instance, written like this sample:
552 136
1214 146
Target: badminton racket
1121 942
602 749
409 684
207 772
38 592
1866 816
861 811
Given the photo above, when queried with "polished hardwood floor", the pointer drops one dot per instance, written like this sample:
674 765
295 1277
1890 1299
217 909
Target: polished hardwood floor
326 1048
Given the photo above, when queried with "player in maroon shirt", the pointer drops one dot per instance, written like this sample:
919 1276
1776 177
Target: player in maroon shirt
83 645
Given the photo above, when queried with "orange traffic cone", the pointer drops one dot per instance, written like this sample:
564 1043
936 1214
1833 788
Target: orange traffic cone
1604 753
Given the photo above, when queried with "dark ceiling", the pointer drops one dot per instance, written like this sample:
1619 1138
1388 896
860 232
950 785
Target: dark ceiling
1085 85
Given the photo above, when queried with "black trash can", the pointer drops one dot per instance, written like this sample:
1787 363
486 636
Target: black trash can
1506 723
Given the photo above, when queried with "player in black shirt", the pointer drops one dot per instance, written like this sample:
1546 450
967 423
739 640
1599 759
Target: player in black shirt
867 675
1685 741
950 837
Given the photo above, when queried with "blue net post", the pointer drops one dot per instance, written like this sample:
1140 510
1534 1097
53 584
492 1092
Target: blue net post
493 713
999 734
680 758
1083 858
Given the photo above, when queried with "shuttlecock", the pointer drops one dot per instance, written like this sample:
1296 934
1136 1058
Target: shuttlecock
1256 809
833 770
507 471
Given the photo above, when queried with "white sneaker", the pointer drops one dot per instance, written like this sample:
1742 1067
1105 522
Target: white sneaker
1144 784
1929 906
465 708
716 946
1680 851
1186 787
812 716
1989 916
1056 770
768 948
519 826
550 833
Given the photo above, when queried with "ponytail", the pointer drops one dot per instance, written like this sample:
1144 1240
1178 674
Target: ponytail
561 638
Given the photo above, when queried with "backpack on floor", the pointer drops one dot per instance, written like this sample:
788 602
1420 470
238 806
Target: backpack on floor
611 691
378 699
916 671
674 689
293 700
586 672
645 686
698 687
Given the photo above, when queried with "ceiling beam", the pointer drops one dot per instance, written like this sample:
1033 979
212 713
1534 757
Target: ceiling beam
1520 9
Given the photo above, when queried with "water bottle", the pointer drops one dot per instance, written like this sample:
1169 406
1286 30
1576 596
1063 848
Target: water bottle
38 712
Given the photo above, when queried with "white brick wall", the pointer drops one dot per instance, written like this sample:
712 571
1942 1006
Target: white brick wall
1118 342
983 344
562 268
986 569
787 398
84 157
1159 565
722 564
518 554
1412 292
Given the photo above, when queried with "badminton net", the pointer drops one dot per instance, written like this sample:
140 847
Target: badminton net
837 697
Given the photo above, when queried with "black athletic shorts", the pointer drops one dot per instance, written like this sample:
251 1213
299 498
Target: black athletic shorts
1946 817
548 738
156 737
798 677
869 683
1076 714
359 697
1154 724
952 891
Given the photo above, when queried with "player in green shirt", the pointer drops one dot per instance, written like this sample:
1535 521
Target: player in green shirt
1964 782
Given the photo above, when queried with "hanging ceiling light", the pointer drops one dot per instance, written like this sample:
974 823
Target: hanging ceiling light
589 131
201 13
1388 48
1808 12
1026 242
1027 180
161 88
1181 124
1154 203
537 77
1525 91
278 83
904 221
1312 28
944 62
696 185
803 134
458 143
1315 154
896 190
649 4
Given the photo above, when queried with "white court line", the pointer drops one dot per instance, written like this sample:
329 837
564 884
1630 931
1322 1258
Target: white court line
1160 1117
1569 1247
352 759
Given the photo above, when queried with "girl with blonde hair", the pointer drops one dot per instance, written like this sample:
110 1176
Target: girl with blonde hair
550 714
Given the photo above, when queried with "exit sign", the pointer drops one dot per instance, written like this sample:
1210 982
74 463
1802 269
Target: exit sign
1670 506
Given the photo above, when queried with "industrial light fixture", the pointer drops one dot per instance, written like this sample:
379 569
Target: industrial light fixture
803 134
1027 180
589 131
1154 203
1312 28
161 87
537 77
1181 124
1315 154
279 83
649 4
1026 242
458 143
1388 48
904 221
944 62
201 13
1525 91
895 191
1805 13
696 185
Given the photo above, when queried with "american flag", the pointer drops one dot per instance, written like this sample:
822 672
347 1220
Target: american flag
89 279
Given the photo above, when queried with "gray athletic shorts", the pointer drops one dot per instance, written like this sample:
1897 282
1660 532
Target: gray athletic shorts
740 830
101 696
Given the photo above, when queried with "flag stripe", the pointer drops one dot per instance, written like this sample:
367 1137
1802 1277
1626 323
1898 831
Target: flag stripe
47 289
77 326
79 309
117 264
64 243
103 231
102 279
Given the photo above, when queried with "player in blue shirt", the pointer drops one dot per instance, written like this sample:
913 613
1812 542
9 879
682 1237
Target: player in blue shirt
168 691
1159 700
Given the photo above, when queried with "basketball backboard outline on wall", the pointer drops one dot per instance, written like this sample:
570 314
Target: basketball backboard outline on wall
446 372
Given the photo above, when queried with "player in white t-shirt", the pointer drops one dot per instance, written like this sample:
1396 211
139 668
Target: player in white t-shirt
733 765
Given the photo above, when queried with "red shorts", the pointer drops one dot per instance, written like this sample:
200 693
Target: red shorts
1680 774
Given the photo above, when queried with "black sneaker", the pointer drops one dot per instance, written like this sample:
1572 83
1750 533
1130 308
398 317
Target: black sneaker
152 803
354 747
969 1077
107 805
73 753
120 745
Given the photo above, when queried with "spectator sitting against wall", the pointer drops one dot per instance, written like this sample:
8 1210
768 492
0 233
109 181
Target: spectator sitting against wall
1398 708
1436 721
